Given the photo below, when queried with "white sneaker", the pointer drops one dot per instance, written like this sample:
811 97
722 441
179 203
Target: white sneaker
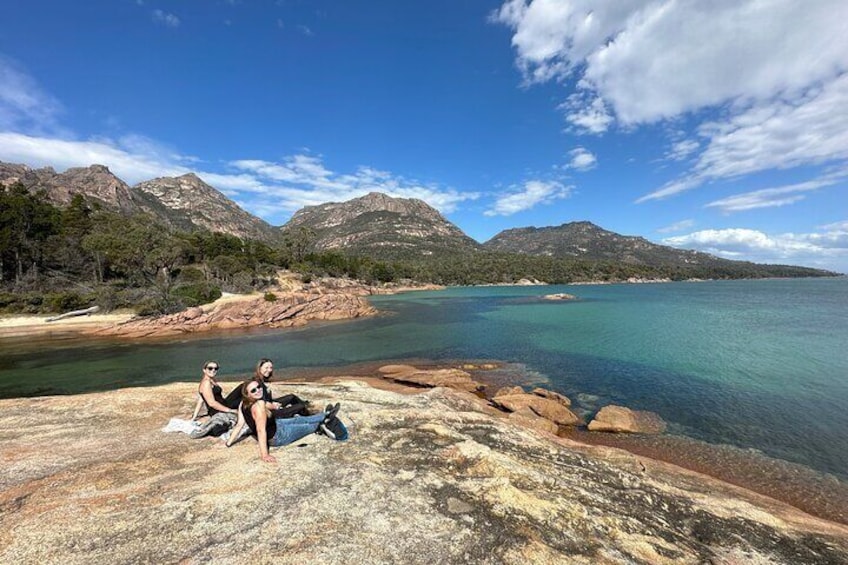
326 431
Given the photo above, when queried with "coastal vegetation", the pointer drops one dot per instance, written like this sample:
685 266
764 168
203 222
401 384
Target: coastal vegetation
55 259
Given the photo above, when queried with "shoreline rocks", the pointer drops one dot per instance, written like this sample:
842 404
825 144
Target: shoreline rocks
449 378
296 303
551 406
287 310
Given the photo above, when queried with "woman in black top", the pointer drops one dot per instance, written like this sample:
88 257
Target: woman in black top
271 431
285 406
221 412
210 393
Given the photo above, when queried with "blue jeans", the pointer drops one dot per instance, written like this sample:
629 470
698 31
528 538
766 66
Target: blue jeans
290 430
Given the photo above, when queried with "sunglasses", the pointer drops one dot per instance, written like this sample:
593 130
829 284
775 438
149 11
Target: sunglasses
252 390
212 368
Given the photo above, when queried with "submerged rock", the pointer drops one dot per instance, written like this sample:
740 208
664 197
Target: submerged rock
545 393
614 418
431 477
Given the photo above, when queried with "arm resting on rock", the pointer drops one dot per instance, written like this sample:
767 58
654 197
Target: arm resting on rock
236 431
198 406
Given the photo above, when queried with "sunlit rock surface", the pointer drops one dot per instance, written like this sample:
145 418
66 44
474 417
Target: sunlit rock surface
428 476
287 310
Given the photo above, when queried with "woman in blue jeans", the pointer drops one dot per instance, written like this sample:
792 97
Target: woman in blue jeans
270 431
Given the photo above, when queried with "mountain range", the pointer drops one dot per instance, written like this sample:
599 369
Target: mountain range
184 203
375 224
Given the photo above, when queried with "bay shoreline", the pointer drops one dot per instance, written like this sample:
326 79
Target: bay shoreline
818 494
802 487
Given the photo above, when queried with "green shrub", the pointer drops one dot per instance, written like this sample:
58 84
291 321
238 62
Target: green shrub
158 306
196 294
22 303
270 297
8 301
191 275
66 301
107 298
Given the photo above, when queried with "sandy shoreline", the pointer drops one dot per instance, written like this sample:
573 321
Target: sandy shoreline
38 325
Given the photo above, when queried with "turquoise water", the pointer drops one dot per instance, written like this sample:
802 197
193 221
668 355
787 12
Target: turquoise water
754 364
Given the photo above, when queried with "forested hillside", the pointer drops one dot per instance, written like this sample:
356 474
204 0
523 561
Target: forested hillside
54 259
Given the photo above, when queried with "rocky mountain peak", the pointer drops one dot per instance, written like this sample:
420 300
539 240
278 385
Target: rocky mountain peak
96 182
586 240
381 224
191 200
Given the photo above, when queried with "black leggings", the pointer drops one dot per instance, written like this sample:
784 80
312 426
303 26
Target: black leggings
234 398
291 406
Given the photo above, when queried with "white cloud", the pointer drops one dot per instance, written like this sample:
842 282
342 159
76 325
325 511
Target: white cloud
23 104
592 117
677 226
654 59
825 249
775 72
532 193
166 19
769 197
265 188
836 226
810 129
671 188
303 180
130 166
270 189
682 149
582 159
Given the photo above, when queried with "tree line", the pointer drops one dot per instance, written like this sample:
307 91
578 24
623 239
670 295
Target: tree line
55 259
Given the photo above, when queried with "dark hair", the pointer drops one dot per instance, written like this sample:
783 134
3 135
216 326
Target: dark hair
258 365
206 363
246 399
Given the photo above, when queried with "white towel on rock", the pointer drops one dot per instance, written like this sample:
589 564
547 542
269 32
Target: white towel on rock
180 425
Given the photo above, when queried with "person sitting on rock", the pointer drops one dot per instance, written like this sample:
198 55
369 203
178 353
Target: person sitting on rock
222 413
273 431
285 406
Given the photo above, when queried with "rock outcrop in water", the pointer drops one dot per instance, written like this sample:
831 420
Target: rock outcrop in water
431 477
614 418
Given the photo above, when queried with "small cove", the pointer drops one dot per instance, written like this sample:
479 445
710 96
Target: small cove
758 365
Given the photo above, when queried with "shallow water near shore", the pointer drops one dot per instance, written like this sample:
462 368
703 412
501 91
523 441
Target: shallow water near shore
759 365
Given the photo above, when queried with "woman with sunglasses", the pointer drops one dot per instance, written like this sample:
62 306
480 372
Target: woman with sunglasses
222 414
285 406
271 431
210 393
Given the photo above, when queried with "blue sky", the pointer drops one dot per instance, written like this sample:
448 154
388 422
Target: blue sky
720 126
